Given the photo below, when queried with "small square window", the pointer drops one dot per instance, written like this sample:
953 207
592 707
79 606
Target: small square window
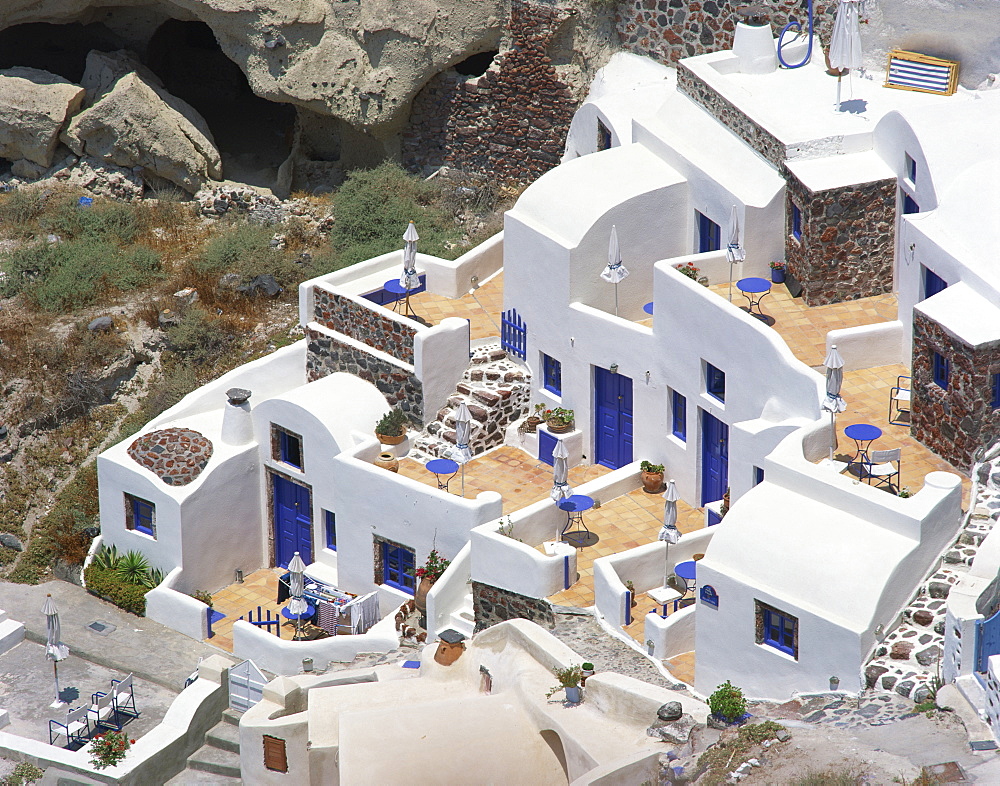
777 629
397 567
286 447
941 371
909 204
758 475
140 515
715 382
331 529
911 169
551 375
933 283
604 140
679 416
995 399
709 234
796 222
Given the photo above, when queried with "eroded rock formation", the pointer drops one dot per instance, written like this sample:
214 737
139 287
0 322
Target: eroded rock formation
34 106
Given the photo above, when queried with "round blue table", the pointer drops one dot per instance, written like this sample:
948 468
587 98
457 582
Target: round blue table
440 467
393 287
687 571
754 290
863 435
648 308
574 507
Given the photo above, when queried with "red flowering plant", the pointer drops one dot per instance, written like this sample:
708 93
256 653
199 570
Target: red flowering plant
689 270
107 749
434 567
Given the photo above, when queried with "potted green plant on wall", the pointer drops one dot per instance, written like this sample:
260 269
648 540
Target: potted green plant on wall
569 681
652 477
559 420
391 427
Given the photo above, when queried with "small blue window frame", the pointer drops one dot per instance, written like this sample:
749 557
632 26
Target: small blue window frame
909 205
143 515
941 370
911 168
758 475
780 630
290 449
796 222
398 567
933 283
551 374
995 399
715 382
330 519
678 410
604 139
709 234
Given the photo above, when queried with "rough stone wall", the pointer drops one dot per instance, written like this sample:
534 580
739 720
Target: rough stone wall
401 388
667 30
511 121
848 234
364 324
958 423
492 605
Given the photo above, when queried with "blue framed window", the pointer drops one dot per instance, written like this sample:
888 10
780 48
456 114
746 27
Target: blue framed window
288 449
758 475
941 370
909 204
715 382
933 283
331 529
551 375
679 415
777 629
398 567
995 398
603 136
709 234
796 222
140 515
911 169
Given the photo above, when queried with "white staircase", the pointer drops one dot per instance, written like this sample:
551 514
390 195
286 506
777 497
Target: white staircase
463 619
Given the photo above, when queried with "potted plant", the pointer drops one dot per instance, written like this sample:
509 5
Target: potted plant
532 422
631 588
689 270
391 428
777 272
587 670
569 681
559 420
431 571
728 704
652 477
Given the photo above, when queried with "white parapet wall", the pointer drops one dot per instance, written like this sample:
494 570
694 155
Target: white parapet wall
177 610
449 592
868 346
713 265
671 635
454 278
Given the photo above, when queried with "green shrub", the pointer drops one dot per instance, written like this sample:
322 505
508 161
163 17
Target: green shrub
105 220
240 249
107 584
727 702
198 337
24 773
21 206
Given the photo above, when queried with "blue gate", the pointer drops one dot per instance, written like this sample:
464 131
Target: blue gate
514 334
714 458
612 419
292 521
987 640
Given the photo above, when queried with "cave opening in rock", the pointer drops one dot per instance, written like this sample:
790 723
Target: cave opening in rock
253 135
476 65
58 49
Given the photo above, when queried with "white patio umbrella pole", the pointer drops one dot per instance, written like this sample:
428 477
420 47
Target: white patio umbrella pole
834 401
845 40
734 252
297 604
614 271
409 279
560 477
55 650
669 532
463 431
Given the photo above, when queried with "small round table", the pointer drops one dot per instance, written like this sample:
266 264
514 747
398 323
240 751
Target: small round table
751 287
309 613
648 308
393 287
863 435
687 571
440 467
575 507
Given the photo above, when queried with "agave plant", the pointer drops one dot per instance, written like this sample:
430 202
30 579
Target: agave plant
107 558
133 568
154 578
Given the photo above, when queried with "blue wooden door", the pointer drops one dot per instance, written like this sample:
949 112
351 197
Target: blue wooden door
292 521
612 419
987 640
714 458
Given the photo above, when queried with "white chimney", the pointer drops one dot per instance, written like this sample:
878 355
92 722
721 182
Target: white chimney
237 428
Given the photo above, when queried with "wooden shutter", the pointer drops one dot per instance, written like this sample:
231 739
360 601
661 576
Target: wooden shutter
274 754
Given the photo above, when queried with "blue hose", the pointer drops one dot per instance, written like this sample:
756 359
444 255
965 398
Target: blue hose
796 26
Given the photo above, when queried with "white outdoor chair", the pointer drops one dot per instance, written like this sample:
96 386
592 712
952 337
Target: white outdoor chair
123 697
103 712
899 402
75 729
883 469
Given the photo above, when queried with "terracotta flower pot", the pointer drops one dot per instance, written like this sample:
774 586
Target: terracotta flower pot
420 597
531 424
558 427
652 482
387 461
387 439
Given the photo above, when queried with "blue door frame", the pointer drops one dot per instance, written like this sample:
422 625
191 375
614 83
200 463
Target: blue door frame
612 419
292 521
714 458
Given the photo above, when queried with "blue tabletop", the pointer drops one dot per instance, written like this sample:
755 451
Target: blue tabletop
753 285
863 432
442 466
577 503
303 616
648 308
686 570
393 285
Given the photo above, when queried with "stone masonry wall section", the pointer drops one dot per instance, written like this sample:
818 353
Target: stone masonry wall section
958 423
511 121
848 234
492 605
668 30
401 388
364 324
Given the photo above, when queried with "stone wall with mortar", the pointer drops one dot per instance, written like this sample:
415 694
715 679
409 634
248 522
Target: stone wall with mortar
326 355
364 324
512 120
492 605
668 30
960 422
848 238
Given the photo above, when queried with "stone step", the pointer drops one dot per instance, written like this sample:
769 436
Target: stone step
231 716
460 624
189 777
208 758
225 736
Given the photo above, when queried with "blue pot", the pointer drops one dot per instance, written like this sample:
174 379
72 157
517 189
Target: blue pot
777 275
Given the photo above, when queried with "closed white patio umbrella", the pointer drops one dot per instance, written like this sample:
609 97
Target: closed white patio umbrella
834 402
614 272
560 473
734 251
297 604
669 532
409 279
845 41
463 431
55 650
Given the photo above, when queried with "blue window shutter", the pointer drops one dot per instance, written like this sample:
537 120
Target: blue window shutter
909 204
679 426
933 283
715 382
552 375
331 530
995 401
941 370
796 222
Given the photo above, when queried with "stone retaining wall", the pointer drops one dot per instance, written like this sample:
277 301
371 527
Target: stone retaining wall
400 386
511 121
364 324
848 235
492 605
960 422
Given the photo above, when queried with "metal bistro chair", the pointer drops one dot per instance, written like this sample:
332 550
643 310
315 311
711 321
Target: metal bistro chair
123 697
103 712
899 402
883 469
75 729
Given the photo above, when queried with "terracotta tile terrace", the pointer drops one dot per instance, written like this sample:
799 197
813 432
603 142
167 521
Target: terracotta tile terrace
258 589
481 307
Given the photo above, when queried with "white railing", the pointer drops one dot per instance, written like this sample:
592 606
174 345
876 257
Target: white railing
448 594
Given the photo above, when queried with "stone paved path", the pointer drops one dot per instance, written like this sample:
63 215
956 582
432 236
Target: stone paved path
842 712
